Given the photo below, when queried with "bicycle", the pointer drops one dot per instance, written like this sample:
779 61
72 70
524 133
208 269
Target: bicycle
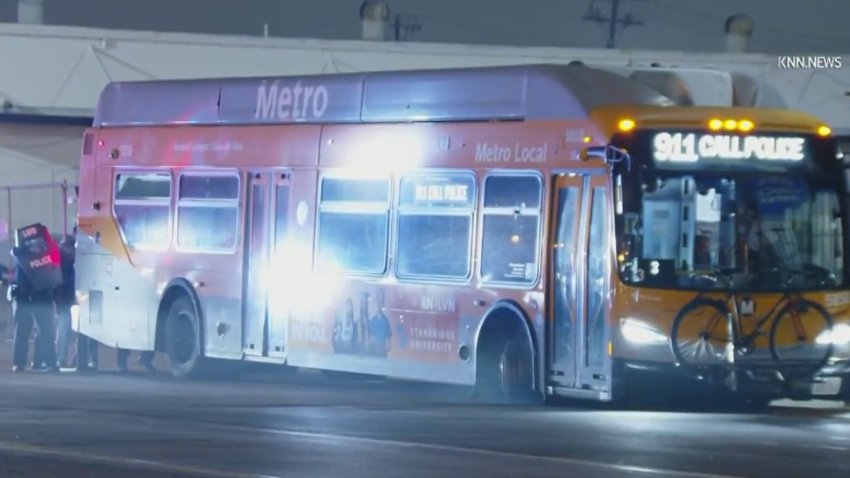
736 343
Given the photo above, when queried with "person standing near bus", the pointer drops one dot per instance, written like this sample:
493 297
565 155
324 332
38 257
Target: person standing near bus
36 275
65 298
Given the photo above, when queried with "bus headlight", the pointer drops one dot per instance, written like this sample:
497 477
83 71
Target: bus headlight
640 332
839 335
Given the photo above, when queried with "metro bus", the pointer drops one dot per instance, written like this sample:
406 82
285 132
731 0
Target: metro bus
529 230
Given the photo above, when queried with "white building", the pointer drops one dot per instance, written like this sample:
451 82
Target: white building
52 77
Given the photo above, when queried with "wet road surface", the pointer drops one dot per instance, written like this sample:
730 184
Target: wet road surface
138 425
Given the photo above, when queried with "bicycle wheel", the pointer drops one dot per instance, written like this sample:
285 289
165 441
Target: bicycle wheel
702 334
794 333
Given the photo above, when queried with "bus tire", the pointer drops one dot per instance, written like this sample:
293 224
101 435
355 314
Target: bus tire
505 366
183 339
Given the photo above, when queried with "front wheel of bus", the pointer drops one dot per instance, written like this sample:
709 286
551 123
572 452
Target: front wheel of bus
182 339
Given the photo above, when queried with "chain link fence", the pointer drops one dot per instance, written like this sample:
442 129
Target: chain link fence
52 204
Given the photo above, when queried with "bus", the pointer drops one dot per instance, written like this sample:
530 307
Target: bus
531 231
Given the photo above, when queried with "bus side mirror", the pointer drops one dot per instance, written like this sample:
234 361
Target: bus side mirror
594 152
609 154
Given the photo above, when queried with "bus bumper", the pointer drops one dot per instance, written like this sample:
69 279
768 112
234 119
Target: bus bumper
650 378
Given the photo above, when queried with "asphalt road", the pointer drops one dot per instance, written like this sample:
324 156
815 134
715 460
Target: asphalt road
305 425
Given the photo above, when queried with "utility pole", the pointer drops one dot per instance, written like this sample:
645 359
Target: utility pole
405 24
613 19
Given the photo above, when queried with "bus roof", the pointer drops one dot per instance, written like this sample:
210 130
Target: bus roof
469 94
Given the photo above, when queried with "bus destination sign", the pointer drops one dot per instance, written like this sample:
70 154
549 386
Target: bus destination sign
442 193
445 190
677 147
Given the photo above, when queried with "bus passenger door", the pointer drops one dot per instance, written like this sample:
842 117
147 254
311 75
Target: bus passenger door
577 335
264 329
280 234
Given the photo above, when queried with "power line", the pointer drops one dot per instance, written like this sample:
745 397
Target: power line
596 14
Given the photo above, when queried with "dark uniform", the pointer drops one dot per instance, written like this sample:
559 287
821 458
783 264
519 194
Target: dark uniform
66 297
36 274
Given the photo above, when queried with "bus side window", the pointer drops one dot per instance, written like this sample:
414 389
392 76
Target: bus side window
354 224
208 211
142 207
511 230
435 225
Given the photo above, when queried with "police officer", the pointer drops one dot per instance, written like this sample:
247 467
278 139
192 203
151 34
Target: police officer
32 293
65 298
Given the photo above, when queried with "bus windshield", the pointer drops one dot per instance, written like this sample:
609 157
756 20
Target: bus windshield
710 230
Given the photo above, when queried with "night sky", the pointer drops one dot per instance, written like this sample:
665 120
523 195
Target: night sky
787 26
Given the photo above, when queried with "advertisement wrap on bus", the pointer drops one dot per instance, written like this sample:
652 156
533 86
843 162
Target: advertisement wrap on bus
505 228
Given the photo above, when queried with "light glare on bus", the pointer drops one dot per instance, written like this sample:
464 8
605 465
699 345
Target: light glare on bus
746 125
626 124
715 124
640 332
839 335
291 287
824 131
399 151
730 124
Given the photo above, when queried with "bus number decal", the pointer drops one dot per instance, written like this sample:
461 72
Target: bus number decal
496 153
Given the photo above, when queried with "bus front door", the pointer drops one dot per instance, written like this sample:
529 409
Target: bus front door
578 335
264 330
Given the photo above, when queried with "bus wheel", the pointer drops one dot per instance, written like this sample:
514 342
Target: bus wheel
505 370
183 339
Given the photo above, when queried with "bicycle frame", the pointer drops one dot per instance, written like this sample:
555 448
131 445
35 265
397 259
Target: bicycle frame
732 298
